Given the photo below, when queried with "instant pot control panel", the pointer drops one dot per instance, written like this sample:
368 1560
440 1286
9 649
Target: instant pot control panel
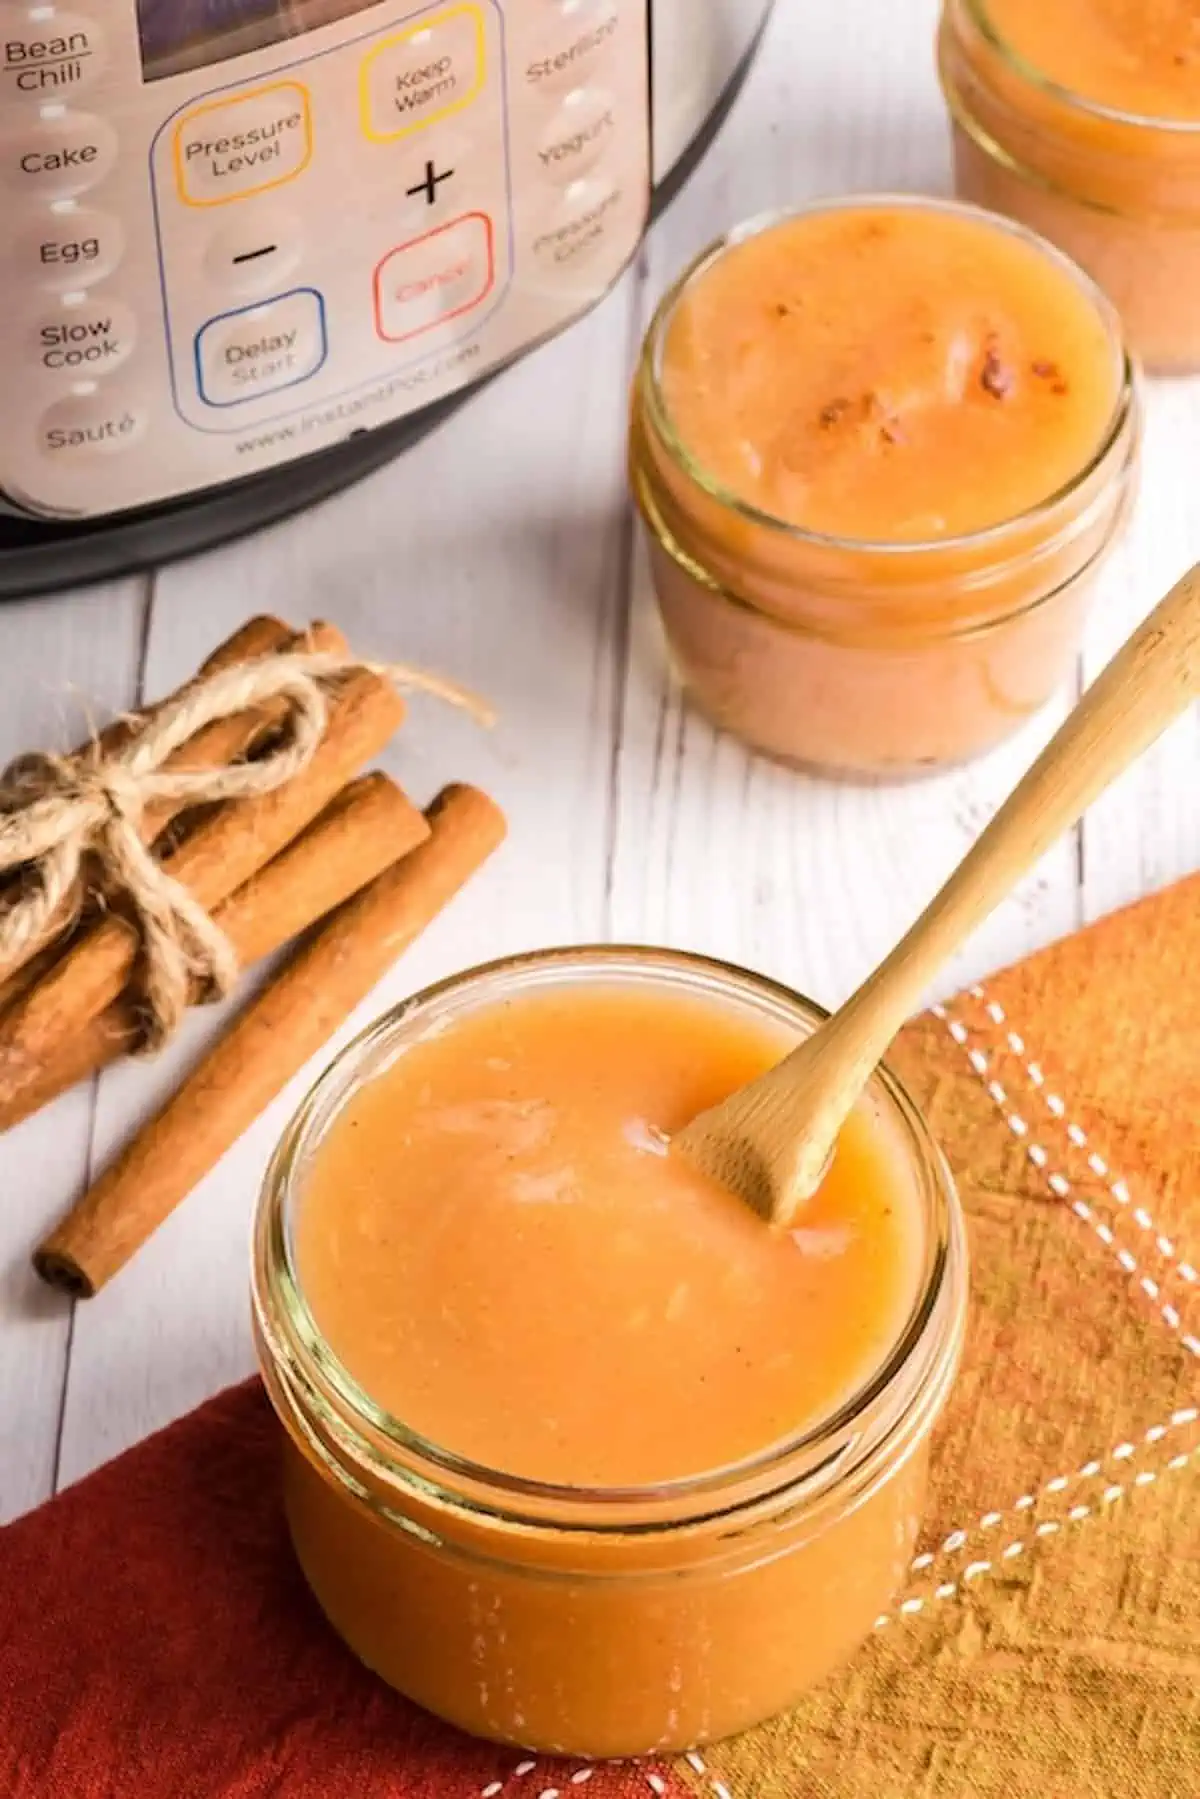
236 231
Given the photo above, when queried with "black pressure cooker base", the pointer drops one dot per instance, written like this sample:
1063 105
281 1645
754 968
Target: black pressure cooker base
41 557
36 557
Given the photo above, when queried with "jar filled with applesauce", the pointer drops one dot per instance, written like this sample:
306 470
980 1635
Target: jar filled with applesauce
1081 118
578 1454
881 447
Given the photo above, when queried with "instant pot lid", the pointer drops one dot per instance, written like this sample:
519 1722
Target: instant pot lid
40 557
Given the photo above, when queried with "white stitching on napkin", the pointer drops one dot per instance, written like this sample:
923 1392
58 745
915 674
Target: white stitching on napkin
1056 1106
580 1777
1049 1527
697 1765
958 1539
1058 1184
1061 1187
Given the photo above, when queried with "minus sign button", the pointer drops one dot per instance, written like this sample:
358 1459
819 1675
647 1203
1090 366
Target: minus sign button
248 255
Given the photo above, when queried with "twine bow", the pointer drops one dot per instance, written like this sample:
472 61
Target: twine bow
58 811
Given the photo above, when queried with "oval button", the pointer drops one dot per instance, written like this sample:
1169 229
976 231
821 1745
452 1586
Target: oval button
573 44
69 247
254 254
89 425
46 52
55 158
576 228
83 341
578 133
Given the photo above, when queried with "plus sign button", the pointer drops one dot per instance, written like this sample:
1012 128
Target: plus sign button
429 186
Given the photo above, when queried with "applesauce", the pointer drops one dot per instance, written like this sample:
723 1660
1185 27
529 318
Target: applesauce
1081 118
578 1454
880 448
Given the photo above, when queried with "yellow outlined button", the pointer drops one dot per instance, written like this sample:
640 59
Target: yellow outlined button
229 149
422 74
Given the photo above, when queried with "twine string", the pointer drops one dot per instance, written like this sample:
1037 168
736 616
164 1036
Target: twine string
58 814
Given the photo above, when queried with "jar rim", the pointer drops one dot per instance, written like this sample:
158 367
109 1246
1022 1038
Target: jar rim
295 1342
979 13
952 545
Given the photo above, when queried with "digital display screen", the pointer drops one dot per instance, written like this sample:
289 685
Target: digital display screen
190 34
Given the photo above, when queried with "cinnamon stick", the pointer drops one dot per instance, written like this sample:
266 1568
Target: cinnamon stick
259 636
364 830
272 1039
226 739
226 849
220 742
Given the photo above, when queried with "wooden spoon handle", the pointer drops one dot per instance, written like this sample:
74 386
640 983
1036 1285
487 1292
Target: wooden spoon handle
1147 684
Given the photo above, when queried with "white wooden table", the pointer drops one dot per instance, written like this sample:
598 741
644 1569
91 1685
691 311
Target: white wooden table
500 551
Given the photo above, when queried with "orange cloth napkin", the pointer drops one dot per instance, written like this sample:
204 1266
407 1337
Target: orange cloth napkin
156 1639
1048 1643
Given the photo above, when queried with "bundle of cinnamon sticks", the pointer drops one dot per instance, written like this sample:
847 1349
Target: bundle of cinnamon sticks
337 859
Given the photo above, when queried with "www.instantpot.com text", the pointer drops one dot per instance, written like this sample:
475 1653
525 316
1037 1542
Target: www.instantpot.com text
343 411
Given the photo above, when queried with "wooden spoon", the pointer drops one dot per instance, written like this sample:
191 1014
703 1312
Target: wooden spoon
771 1141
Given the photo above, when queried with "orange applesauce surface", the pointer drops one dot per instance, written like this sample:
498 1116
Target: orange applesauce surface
888 373
497 1246
1135 56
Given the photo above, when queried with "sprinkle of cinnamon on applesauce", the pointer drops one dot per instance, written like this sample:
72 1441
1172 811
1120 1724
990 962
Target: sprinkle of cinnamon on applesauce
996 377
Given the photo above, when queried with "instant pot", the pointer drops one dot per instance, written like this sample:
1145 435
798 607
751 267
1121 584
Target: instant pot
251 248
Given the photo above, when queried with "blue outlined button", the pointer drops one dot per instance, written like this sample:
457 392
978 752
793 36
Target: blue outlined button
261 349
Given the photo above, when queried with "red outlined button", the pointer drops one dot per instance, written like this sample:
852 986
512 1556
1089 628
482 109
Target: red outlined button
434 278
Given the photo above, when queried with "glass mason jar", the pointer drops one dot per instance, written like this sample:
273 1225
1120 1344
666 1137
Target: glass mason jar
601 1622
871 658
1119 192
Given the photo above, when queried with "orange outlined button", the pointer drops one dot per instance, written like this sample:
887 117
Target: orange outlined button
228 149
434 278
426 73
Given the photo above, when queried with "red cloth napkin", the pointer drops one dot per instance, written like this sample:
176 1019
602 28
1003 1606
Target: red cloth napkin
157 1640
